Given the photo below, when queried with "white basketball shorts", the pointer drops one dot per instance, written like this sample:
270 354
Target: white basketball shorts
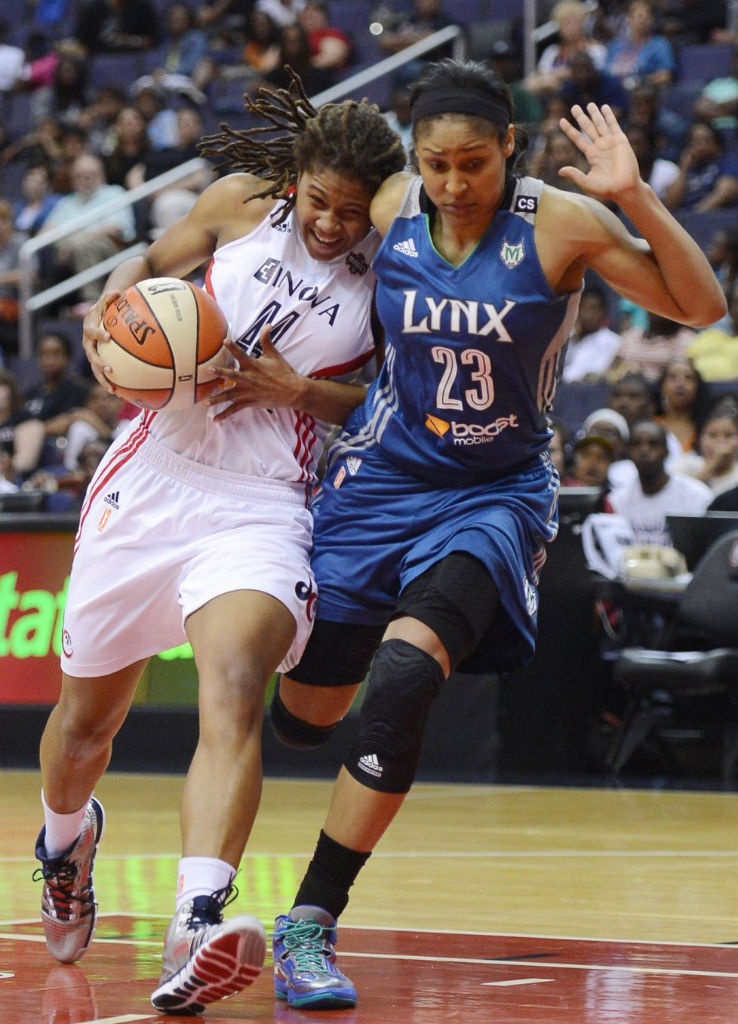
160 536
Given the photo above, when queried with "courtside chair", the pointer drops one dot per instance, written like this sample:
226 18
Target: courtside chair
661 684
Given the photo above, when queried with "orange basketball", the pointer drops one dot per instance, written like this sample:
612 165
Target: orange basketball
165 334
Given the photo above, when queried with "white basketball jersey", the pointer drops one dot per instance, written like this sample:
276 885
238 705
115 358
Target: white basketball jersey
320 318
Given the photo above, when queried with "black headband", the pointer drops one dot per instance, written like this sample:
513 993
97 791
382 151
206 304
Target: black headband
473 102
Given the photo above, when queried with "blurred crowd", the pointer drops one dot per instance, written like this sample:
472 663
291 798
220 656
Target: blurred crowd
72 138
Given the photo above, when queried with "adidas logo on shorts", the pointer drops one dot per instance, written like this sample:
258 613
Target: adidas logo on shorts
407 248
112 499
370 764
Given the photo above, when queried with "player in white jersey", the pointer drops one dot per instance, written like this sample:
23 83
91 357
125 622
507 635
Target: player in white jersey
197 524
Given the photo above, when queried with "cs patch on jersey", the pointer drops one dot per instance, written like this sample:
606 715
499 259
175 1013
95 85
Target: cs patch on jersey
512 255
526 204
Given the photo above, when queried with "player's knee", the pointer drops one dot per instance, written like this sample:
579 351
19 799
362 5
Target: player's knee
403 684
296 732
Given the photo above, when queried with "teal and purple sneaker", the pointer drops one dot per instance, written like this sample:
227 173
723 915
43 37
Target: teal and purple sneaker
305 972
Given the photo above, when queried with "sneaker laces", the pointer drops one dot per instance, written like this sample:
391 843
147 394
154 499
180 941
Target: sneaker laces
60 878
209 909
304 941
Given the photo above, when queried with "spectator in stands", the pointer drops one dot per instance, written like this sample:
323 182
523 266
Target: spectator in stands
259 50
638 54
722 252
42 145
714 351
67 96
294 50
282 12
10 243
649 350
36 200
558 151
98 419
658 172
224 21
681 404
116 26
686 22
423 19
98 120
20 433
506 59
330 47
718 101
72 144
171 203
57 398
12 60
726 501
8 482
65 489
633 396
592 345
708 176
611 425
554 66
647 110
655 493
161 120
589 84
181 53
592 456
715 461
97 241
130 146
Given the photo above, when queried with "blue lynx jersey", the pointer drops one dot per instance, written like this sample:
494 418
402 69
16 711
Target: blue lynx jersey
472 352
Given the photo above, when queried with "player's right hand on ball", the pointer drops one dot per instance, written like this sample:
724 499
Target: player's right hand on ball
93 332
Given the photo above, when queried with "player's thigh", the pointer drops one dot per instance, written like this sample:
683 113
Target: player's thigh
238 640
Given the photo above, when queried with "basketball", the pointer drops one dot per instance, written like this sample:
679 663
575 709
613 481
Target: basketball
165 333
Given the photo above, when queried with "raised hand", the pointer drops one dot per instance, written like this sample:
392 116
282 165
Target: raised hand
612 162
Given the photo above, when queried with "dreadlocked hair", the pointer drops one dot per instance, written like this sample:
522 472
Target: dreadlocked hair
350 138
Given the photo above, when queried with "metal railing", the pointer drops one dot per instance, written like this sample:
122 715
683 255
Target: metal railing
30 303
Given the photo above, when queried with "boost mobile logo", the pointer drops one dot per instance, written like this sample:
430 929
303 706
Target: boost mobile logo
470 433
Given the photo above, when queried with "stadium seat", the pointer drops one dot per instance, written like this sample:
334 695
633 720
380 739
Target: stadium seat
701 62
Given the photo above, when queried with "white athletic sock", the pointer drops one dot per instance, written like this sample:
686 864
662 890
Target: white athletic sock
61 829
201 876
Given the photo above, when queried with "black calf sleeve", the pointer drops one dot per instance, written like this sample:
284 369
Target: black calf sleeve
403 683
293 731
330 875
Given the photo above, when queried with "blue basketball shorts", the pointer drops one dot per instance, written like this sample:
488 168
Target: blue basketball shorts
377 528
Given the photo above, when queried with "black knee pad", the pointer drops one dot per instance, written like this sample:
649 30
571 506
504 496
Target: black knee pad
403 683
293 731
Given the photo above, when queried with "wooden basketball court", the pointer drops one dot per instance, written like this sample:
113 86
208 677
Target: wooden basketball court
512 905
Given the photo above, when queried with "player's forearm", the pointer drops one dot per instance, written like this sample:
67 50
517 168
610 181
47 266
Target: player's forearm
684 268
328 400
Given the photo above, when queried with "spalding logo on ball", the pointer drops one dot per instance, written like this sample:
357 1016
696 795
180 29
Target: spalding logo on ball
165 333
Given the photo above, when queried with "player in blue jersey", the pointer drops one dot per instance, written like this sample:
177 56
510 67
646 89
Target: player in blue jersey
439 494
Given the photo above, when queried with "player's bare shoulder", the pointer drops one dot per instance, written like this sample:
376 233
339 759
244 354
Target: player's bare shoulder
231 207
571 228
387 199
